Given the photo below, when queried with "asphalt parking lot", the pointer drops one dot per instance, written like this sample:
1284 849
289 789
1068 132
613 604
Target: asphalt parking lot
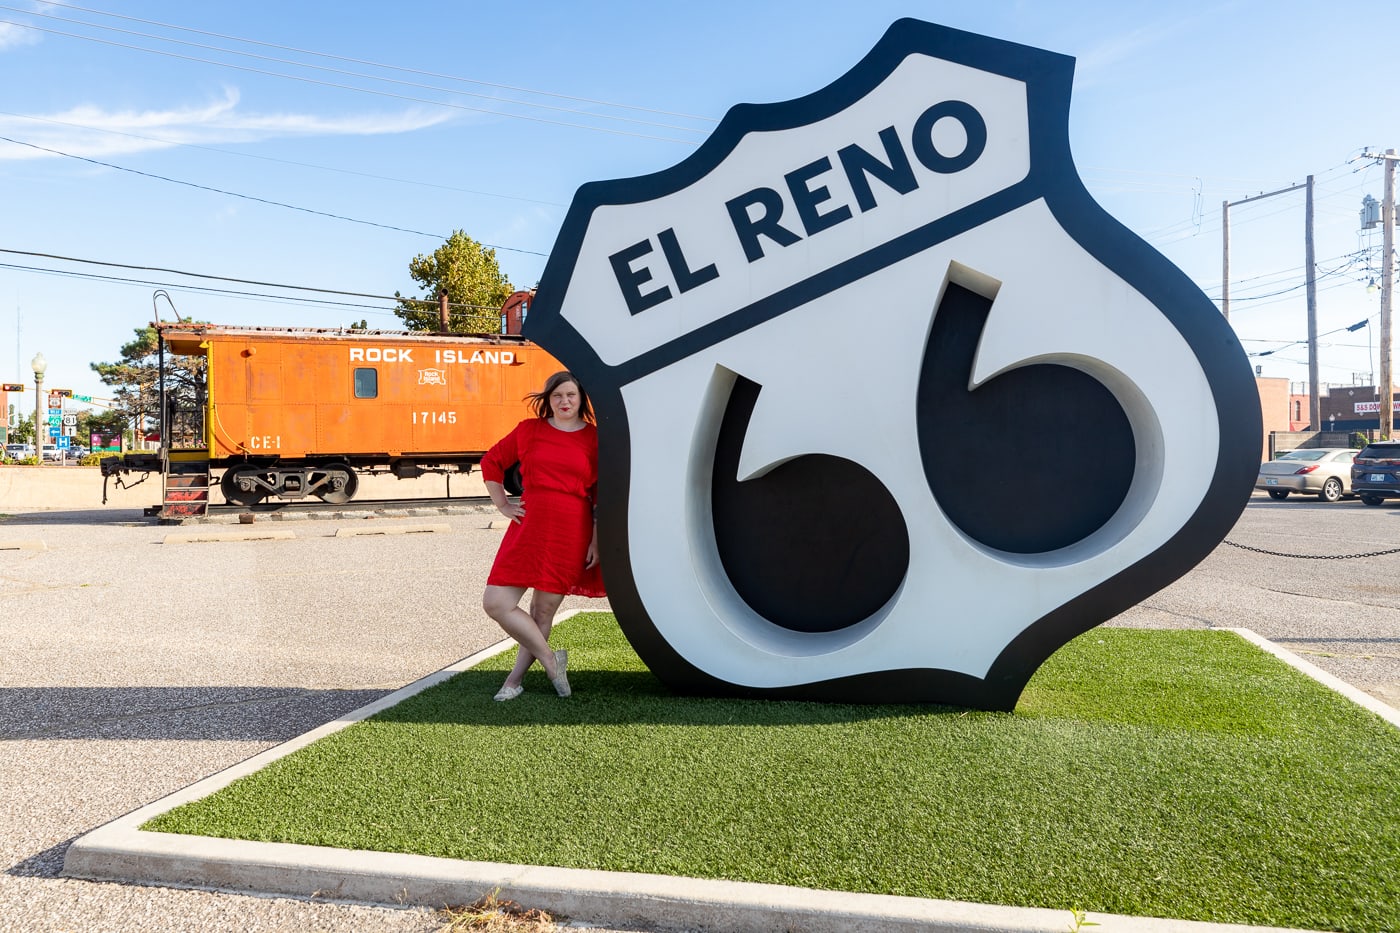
134 667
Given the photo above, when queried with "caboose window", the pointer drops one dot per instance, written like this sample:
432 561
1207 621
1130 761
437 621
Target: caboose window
366 382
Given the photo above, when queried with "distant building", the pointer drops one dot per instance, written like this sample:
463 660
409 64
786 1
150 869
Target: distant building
1277 406
1354 408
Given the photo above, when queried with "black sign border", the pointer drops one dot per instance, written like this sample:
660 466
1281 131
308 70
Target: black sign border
1048 78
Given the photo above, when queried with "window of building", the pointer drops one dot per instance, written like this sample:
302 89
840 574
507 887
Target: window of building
366 382
1297 411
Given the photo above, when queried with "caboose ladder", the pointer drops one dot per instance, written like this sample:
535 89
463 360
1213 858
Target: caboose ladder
186 488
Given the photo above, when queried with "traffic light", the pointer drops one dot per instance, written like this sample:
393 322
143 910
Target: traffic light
12 387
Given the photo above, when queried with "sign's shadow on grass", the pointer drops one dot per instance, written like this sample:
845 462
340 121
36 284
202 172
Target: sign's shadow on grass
629 697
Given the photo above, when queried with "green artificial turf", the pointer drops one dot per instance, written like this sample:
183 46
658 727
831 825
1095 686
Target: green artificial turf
1180 774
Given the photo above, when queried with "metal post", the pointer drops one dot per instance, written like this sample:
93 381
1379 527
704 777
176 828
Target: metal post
1225 260
1387 393
38 411
1310 260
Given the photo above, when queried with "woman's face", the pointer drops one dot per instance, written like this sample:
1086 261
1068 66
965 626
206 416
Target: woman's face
564 401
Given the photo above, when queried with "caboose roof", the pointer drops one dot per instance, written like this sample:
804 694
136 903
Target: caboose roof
185 337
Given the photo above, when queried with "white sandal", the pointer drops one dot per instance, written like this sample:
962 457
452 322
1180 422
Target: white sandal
508 693
561 679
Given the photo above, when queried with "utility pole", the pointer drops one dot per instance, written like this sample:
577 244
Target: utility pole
1385 388
1314 389
1387 294
1310 260
1225 261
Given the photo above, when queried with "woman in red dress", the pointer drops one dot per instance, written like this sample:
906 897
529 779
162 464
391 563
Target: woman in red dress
554 550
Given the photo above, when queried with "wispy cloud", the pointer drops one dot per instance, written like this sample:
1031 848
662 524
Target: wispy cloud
93 132
12 36
1100 61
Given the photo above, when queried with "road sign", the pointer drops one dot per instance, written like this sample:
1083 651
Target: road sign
70 419
734 275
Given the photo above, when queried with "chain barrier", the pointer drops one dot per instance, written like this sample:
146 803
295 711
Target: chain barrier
1259 550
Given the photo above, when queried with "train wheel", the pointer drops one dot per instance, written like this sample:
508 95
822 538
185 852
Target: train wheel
341 484
239 487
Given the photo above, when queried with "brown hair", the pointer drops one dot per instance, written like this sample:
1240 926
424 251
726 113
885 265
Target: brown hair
539 401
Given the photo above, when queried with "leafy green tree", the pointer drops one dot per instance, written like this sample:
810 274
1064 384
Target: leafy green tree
23 433
135 380
475 286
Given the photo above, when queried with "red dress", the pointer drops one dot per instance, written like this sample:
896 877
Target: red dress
547 548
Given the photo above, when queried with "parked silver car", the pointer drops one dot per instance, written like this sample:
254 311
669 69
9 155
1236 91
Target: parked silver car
1321 471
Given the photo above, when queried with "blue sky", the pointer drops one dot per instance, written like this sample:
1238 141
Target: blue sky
492 115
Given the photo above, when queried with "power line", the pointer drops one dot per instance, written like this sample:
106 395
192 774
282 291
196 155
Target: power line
263 158
360 61
249 197
201 289
1295 343
195 275
348 87
341 71
216 278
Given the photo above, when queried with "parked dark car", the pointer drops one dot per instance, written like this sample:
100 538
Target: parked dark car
1324 472
1375 476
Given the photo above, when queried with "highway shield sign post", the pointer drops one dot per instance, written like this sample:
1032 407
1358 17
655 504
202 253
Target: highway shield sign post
784 334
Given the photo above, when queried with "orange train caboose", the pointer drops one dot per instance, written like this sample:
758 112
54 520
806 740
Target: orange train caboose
289 413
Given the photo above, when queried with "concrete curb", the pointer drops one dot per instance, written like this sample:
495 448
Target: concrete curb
1360 697
120 851
250 534
439 528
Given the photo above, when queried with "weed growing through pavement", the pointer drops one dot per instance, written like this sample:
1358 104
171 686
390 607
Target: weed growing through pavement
1080 921
490 914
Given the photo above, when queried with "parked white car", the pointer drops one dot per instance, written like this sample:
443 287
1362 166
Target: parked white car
1322 471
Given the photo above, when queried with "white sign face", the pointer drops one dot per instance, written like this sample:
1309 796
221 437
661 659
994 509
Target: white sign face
1371 408
889 408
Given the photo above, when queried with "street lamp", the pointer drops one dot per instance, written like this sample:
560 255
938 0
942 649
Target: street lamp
40 366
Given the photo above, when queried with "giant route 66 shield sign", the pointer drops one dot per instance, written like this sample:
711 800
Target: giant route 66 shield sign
889 408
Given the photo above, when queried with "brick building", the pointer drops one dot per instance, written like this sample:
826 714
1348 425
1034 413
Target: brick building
1354 408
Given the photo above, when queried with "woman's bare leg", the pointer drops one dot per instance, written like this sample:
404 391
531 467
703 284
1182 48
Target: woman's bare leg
543 606
502 604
